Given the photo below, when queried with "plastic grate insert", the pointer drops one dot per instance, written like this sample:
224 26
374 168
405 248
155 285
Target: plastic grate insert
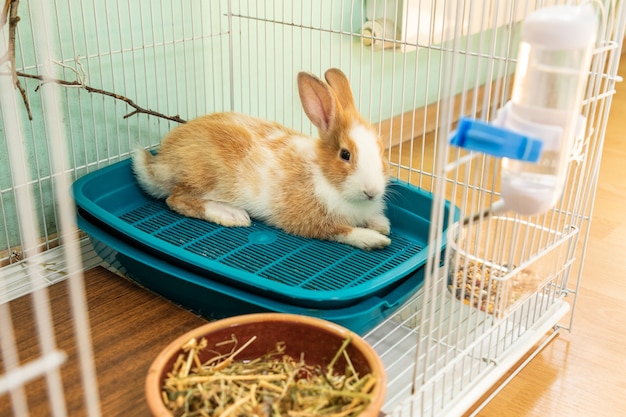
270 254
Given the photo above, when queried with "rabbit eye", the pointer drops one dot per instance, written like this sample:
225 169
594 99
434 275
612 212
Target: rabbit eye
344 154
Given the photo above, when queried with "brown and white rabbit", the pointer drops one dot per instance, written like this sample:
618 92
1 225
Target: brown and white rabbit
228 167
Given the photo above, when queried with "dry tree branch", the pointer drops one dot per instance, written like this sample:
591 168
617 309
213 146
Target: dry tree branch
5 13
13 19
138 109
9 11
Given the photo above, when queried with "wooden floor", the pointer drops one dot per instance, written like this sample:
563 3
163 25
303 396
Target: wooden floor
578 374
129 328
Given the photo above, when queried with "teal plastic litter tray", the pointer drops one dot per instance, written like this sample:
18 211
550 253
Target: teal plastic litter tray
260 259
213 299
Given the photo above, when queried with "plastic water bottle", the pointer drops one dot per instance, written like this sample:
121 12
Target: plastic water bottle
552 71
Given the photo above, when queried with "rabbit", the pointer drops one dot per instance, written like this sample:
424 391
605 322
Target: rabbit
228 168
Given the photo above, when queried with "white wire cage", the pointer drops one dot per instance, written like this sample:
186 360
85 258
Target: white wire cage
100 77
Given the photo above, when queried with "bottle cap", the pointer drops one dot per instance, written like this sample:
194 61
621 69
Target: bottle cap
561 27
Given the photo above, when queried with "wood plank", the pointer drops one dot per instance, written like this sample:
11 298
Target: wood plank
422 121
129 328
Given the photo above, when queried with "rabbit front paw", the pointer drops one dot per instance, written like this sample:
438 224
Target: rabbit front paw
362 238
226 215
380 224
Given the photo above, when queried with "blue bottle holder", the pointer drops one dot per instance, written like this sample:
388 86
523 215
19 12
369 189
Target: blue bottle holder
479 136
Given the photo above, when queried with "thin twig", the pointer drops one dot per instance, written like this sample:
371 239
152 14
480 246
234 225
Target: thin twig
10 10
9 13
4 17
138 109
24 98
5 13
13 21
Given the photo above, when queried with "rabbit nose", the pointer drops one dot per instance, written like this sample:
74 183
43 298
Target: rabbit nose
369 194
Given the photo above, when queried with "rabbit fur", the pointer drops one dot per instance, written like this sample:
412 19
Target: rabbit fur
228 168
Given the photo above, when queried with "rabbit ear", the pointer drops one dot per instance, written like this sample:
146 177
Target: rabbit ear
318 101
339 82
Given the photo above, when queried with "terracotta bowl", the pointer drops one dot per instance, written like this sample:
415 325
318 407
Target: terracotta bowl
318 339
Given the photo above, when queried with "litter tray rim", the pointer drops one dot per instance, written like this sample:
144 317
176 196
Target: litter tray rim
361 317
249 280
